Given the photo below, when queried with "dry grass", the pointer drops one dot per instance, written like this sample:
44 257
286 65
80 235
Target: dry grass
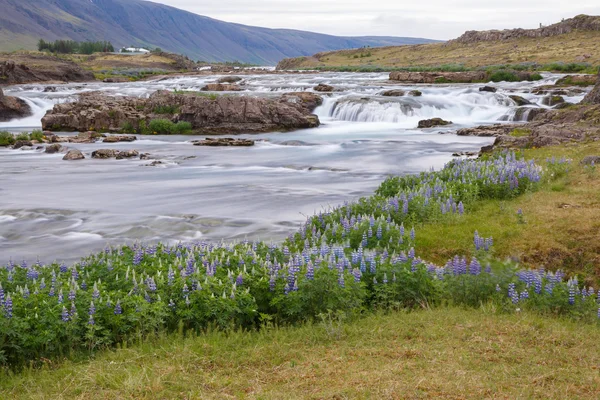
564 48
446 353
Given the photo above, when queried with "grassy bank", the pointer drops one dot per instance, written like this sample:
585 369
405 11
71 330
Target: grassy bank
545 52
446 353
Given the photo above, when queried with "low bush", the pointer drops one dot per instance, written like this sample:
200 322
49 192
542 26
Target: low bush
170 109
23 136
6 138
37 135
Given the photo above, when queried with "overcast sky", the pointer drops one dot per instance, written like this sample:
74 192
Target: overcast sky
435 19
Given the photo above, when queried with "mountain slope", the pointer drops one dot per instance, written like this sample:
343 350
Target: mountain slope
574 40
143 23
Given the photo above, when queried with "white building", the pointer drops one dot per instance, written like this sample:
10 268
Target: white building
134 50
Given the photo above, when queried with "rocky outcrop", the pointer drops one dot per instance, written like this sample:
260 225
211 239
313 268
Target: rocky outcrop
393 93
433 122
219 87
579 80
104 154
578 23
574 124
453 77
307 100
321 87
228 142
119 138
29 68
73 155
439 77
552 100
224 114
12 108
526 114
519 100
591 160
593 97
229 79
415 93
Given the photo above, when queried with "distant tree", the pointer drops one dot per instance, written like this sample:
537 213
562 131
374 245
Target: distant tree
74 47
157 50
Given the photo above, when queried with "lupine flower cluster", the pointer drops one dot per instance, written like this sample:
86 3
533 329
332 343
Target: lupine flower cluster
362 255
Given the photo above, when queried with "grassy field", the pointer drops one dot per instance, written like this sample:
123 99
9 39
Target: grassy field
564 48
446 353
560 230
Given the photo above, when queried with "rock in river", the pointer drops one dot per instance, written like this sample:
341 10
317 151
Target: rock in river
224 142
430 123
74 155
12 107
224 114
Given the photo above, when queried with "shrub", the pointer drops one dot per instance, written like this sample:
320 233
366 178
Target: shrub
37 135
503 76
161 126
127 128
6 138
172 109
23 136
181 128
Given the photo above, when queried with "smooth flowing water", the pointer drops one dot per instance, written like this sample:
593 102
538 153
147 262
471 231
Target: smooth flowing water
59 210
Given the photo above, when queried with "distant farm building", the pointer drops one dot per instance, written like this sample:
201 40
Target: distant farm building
134 50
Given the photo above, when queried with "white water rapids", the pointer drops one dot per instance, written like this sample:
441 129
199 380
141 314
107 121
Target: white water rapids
54 209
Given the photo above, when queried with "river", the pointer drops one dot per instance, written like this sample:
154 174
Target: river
57 210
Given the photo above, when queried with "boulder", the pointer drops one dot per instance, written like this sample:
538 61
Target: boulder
224 142
73 155
224 114
50 89
593 97
321 87
415 93
591 160
552 100
22 143
229 79
526 114
430 123
12 108
53 148
219 87
119 138
393 93
127 154
105 153
306 100
519 100
488 89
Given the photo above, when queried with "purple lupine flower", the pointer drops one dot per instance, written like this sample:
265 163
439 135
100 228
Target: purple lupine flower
63 268
95 292
379 233
357 275
385 278
147 297
239 280
26 292
341 281
411 253
170 276
118 308
461 208
73 311
571 294
272 283
151 284
412 234
138 257
475 267
8 306
64 315
171 304
91 320
83 285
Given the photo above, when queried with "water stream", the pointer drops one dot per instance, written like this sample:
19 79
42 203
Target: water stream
59 210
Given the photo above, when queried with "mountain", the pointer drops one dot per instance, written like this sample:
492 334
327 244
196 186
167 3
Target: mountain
147 24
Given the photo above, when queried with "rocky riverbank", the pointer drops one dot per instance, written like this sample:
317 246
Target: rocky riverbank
21 68
572 123
205 114
459 77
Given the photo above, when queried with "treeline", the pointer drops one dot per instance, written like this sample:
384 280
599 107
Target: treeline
74 47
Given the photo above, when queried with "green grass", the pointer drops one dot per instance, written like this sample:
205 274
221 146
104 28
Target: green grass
561 229
447 353
520 132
